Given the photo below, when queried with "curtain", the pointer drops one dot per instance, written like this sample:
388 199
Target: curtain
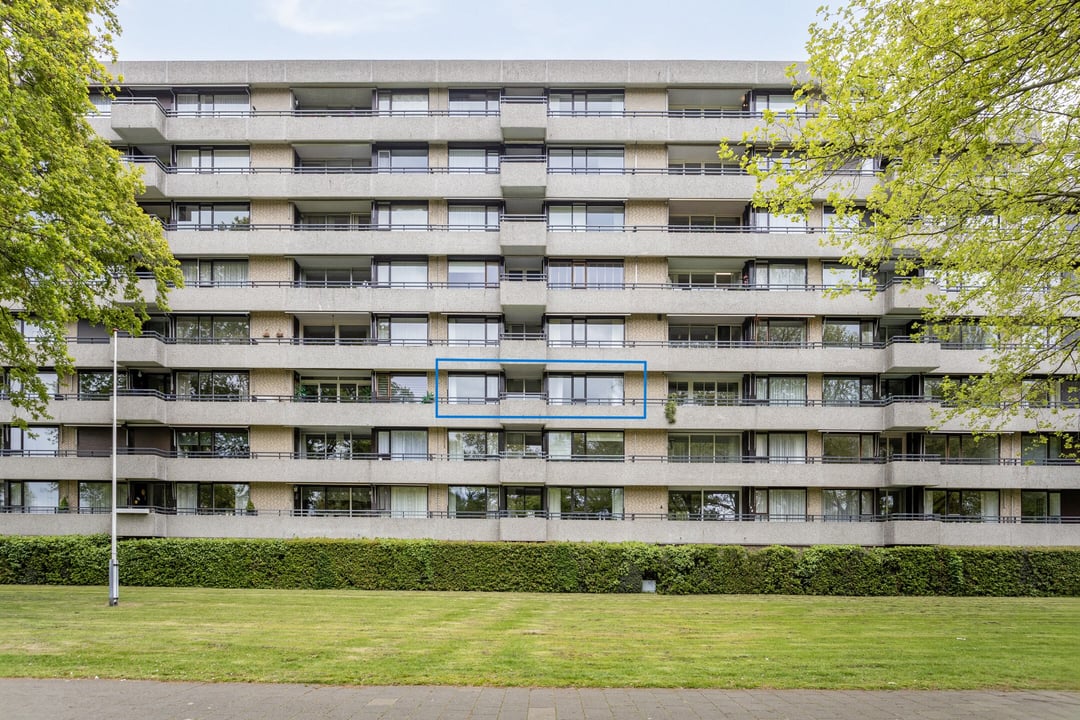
408 444
789 504
787 447
408 502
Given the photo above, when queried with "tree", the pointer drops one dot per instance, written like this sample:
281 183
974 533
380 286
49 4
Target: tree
72 238
970 112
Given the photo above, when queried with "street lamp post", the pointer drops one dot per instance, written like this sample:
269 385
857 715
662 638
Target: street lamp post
114 564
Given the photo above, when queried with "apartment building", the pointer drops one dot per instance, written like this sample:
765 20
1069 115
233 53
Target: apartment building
508 300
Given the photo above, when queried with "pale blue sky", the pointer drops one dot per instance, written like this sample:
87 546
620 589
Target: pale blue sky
460 29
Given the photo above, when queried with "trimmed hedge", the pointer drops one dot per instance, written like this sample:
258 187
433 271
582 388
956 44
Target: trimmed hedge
543 567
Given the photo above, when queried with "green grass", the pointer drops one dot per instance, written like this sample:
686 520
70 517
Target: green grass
353 637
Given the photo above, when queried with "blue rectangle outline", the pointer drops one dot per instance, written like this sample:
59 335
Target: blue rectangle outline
644 390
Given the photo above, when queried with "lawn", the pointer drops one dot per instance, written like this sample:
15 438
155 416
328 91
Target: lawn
353 637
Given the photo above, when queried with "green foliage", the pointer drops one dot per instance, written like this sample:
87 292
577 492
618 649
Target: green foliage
670 408
72 234
543 567
969 111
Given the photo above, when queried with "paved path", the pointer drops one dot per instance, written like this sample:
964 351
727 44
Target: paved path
144 700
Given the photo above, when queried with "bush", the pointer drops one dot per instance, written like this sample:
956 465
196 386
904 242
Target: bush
543 567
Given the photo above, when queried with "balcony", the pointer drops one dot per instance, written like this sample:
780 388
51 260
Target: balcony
330 240
523 176
523 117
301 183
683 299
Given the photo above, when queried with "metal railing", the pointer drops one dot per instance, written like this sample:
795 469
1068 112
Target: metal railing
675 516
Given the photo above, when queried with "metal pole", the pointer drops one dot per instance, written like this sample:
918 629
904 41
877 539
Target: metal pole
114 564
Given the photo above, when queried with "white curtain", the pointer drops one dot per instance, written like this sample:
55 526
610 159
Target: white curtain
409 502
786 447
408 444
989 504
789 504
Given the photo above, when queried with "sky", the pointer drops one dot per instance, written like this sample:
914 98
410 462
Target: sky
464 29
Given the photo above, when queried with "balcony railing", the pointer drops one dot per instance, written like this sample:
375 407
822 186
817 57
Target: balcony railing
675 516
305 112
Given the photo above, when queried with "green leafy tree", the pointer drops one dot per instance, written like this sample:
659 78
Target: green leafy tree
967 113
72 237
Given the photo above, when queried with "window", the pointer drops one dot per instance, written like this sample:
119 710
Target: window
208 159
473 217
401 159
848 447
981 450
401 273
212 103
780 389
333 499
680 335
764 221
212 443
692 280
779 275
523 500
35 441
31 497
963 504
585 160
343 333
591 332
847 503
211 273
211 385
585 445
334 390
587 502
401 102
212 328
704 392
334 445
475 501
585 217
402 387
212 498
400 216
966 337
474 102
473 159
775 101
524 444
473 444
779 447
335 277
97 496
48 378
585 389
703 504
780 332
704 447
847 333
472 389
855 217
473 273
585 102
847 390
1042 505
473 330
703 223
593 274
840 275
780 504
401 330
212 216
403 445
1049 449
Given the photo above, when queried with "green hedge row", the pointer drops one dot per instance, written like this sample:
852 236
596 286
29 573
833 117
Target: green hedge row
543 567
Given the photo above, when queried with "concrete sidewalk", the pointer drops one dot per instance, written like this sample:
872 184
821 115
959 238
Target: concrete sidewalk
145 700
